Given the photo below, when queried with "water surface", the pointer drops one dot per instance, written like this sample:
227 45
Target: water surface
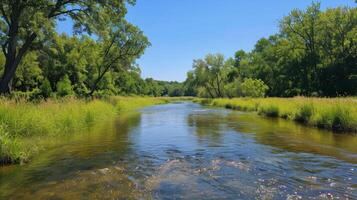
187 151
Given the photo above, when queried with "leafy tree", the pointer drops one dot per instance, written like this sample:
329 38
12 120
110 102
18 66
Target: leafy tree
190 85
238 57
233 89
302 28
120 48
29 74
313 54
338 52
210 74
26 24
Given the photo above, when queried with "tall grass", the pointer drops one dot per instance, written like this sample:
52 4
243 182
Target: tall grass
22 123
338 114
132 103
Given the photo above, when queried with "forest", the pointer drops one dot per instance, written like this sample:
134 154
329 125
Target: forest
313 54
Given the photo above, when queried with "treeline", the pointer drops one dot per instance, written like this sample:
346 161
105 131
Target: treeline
314 54
75 66
98 60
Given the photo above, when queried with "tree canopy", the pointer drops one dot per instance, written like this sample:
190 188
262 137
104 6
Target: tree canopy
314 53
29 24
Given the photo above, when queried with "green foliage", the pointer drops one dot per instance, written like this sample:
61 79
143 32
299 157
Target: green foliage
313 54
64 87
253 88
215 77
23 125
233 89
339 118
29 75
46 89
304 113
338 114
269 110
29 25
209 76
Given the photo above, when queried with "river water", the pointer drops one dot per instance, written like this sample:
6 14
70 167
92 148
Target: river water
188 151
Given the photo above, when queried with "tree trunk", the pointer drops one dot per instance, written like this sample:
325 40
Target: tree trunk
13 59
8 74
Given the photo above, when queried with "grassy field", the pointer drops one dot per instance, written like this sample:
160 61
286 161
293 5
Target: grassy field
23 124
338 114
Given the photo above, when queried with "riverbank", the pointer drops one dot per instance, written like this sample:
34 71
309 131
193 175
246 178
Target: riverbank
23 124
337 114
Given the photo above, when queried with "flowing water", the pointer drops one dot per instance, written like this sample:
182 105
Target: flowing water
187 151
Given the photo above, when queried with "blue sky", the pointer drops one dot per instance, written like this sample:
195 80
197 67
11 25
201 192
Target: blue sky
183 30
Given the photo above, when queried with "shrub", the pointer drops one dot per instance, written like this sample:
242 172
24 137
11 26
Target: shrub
46 89
64 87
253 88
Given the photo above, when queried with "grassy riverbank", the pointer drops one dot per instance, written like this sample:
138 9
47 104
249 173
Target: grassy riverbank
338 114
23 124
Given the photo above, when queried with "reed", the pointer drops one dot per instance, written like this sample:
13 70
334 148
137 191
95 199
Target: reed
338 114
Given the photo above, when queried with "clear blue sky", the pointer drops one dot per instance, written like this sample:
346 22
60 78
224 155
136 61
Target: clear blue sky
183 30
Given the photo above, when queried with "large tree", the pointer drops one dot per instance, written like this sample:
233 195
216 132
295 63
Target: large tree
119 49
211 74
302 28
28 24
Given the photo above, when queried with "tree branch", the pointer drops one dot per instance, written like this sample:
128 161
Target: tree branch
66 12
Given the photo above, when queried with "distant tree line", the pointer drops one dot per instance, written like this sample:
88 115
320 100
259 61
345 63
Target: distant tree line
313 54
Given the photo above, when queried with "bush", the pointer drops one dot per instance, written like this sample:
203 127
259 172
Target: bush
64 87
46 89
233 89
253 88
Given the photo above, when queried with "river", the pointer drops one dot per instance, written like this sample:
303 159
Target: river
188 151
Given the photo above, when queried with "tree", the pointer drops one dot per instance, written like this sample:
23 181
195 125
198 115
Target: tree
211 74
120 48
338 51
29 74
313 54
238 57
27 24
301 27
190 85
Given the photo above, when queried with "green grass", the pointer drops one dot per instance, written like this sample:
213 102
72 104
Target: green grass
23 124
338 114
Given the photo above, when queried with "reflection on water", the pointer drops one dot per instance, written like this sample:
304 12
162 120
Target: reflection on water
188 151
